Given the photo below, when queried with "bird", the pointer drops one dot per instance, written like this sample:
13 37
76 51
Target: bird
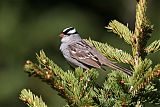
79 53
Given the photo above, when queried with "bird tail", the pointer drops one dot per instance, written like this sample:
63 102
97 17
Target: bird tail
117 67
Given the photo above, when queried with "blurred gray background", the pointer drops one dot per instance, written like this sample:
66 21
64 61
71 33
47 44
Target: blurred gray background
27 26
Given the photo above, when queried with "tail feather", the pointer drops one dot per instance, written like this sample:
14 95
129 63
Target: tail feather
117 67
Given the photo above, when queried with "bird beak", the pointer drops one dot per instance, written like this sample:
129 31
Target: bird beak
61 35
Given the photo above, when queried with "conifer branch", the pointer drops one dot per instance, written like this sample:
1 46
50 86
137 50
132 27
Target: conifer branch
31 100
46 75
140 70
147 90
115 91
153 47
121 30
146 79
140 16
74 87
112 53
142 32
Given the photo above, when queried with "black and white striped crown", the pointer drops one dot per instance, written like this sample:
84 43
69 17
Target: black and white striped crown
69 31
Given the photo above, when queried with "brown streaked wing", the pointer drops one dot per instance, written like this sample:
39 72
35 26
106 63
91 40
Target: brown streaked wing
83 55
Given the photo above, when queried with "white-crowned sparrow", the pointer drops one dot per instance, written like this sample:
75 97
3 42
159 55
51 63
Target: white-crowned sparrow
80 54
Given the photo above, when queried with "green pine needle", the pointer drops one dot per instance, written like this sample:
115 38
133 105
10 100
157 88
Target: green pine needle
121 30
153 47
31 100
115 90
140 70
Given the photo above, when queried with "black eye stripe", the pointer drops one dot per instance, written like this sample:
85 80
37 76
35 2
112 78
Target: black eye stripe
67 30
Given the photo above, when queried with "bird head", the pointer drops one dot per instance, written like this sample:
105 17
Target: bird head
69 35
